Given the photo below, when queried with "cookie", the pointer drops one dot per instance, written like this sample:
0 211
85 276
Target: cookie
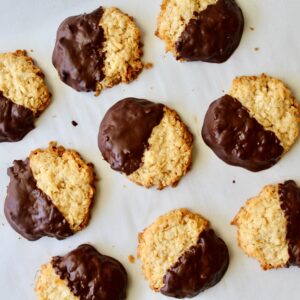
50 193
268 226
147 141
23 95
205 30
83 273
98 50
181 256
254 124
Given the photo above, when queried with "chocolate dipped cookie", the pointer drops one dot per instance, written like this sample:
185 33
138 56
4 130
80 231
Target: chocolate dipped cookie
147 141
181 255
268 226
50 193
253 125
23 95
82 274
98 50
205 30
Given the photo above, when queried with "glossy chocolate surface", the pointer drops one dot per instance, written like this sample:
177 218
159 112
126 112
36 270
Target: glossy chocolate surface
125 130
91 275
199 268
289 194
29 210
15 120
213 34
237 138
77 56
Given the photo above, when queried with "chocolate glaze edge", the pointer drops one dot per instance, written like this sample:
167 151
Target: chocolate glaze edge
28 210
15 120
289 195
197 269
91 275
124 132
77 54
213 34
237 138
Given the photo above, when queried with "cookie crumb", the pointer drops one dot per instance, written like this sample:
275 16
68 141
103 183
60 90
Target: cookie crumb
252 28
131 259
148 66
233 181
74 123
256 49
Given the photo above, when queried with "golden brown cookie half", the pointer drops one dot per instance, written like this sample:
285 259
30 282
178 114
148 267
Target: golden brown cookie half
50 193
206 30
268 226
147 141
181 256
83 273
23 95
98 50
254 124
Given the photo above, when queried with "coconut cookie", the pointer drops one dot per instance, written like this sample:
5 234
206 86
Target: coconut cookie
50 193
83 273
23 95
181 256
254 124
98 50
268 226
206 30
147 141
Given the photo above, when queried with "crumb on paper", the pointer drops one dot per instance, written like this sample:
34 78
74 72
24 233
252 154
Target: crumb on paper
223 91
74 123
252 28
131 258
148 66
233 181
256 49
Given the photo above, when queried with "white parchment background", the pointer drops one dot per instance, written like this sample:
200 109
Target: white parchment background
123 209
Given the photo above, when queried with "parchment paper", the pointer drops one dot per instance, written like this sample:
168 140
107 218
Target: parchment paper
123 209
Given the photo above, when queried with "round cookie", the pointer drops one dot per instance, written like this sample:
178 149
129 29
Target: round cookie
205 30
181 256
50 193
83 273
254 124
147 141
268 226
23 95
98 50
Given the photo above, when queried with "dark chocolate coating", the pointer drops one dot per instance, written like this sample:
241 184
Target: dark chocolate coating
76 55
29 210
289 194
125 130
15 120
237 138
199 268
91 275
214 33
